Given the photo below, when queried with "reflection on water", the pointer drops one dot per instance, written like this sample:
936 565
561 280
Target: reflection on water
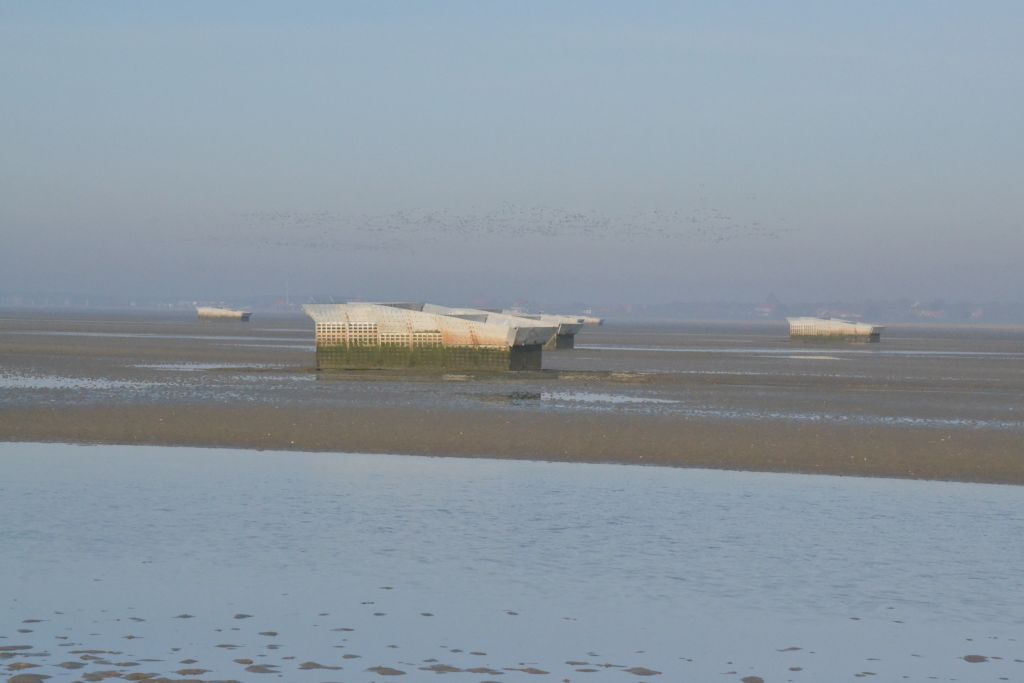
134 559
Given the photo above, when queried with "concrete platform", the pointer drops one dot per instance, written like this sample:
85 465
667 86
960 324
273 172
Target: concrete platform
369 336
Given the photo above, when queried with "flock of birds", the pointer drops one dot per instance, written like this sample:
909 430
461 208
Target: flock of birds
394 231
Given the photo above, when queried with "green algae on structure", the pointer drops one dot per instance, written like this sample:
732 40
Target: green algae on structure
342 357
837 338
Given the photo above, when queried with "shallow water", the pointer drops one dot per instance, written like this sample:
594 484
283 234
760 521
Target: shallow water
36 382
171 554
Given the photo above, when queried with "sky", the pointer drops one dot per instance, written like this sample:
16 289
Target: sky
469 152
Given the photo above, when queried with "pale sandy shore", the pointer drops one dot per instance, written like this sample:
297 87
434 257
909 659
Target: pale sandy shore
970 456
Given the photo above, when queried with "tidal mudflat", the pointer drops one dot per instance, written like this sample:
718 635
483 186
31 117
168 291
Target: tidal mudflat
182 563
928 402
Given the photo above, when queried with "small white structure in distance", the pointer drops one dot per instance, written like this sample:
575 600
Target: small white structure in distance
214 313
810 328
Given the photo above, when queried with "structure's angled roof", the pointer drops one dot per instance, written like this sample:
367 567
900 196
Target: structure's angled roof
492 317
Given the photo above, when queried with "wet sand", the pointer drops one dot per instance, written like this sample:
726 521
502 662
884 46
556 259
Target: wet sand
931 403
991 457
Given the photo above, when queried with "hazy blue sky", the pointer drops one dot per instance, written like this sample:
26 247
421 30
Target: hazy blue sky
610 152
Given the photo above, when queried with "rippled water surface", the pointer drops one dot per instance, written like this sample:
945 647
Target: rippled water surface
235 563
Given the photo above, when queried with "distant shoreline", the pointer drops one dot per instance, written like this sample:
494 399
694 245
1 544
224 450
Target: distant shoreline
980 456
613 318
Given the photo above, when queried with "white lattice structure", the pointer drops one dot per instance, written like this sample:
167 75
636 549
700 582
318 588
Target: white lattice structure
373 335
833 328
549 327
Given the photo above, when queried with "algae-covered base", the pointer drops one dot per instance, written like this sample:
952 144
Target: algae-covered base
836 338
343 357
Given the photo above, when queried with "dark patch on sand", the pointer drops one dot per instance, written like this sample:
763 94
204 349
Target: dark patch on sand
316 665
386 671
27 678
975 659
441 668
94 676
642 671
261 669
